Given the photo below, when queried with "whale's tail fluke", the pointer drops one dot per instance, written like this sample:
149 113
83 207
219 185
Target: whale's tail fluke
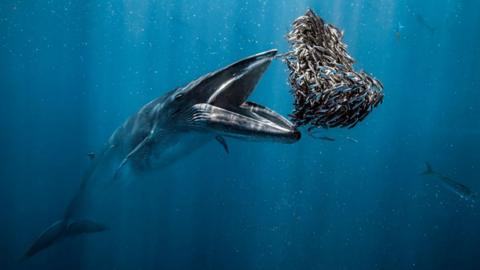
60 230
68 226
428 169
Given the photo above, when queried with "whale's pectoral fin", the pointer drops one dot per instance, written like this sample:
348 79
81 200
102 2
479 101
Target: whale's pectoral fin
223 142
135 150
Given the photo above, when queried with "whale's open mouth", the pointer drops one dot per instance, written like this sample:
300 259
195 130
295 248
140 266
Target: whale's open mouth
225 109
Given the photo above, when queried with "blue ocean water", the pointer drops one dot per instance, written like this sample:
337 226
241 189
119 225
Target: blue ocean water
73 71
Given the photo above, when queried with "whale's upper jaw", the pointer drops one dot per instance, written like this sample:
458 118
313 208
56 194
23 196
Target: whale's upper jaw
218 103
236 82
228 86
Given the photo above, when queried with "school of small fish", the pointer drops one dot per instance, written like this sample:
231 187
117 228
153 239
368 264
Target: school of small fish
328 92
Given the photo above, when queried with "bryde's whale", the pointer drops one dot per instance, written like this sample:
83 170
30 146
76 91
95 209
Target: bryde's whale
168 128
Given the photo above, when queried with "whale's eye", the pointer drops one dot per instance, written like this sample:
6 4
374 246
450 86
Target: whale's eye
178 96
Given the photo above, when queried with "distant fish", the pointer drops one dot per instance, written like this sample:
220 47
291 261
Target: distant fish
458 188
315 133
91 155
326 138
421 20
323 138
351 139
398 31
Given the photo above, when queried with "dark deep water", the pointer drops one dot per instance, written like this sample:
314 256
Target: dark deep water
72 71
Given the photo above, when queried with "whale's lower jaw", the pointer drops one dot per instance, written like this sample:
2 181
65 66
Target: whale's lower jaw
246 123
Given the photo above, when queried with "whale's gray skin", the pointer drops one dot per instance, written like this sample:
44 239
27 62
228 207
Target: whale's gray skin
172 126
458 188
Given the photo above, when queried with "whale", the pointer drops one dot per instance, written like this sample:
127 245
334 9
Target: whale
213 107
